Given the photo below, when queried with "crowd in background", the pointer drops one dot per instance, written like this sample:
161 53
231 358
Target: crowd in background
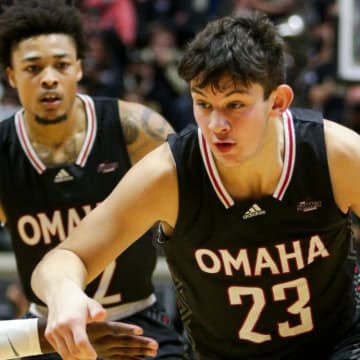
134 47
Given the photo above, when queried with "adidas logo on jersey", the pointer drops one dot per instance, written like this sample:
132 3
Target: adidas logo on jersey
255 210
63 176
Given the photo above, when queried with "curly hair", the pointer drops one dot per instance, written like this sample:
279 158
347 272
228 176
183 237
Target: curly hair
247 48
27 18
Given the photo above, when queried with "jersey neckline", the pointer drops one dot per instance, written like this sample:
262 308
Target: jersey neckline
83 155
286 174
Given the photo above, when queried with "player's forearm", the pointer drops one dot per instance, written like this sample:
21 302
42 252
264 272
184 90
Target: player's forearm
57 268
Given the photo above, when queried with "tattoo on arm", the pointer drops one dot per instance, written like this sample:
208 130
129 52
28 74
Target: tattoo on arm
158 132
131 132
147 121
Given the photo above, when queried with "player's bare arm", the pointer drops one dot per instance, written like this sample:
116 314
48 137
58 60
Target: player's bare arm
343 151
146 194
144 129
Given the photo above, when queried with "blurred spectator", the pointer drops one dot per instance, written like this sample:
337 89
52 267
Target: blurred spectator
163 53
138 80
116 15
7 308
8 101
352 108
276 9
15 295
185 16
103 72
156 75
13 303
319 81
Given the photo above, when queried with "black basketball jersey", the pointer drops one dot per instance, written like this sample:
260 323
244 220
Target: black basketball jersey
43 204
264 278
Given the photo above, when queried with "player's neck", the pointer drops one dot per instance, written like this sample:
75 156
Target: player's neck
58 133
260 174
61 142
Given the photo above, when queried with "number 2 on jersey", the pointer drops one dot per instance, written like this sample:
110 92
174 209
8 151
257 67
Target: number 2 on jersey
104 283
298 308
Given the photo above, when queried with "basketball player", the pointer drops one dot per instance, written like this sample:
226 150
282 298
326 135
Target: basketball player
254 207
63 153
112 340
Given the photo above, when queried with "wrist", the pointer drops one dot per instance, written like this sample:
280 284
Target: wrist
19 338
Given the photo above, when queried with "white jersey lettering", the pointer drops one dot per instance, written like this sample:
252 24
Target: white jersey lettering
49 229
274 260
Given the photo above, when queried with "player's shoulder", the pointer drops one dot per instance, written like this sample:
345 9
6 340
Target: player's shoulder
341 139
343 152
140 115
143 126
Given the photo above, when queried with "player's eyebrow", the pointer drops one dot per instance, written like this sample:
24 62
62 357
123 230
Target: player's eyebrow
34 57
198 90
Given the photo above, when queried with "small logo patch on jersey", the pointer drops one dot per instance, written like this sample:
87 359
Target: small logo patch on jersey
63 176
107 167
306 205
255 210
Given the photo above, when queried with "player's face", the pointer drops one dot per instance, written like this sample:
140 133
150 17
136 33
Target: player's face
233 119
45 71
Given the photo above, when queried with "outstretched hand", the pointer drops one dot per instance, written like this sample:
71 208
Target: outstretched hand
111 340
67 323
116 341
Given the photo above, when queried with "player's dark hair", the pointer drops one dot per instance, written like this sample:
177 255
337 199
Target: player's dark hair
247 48
27 18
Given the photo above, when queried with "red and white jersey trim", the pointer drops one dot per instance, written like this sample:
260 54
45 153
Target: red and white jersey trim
212 172
289 156
26 144
287 171
86 147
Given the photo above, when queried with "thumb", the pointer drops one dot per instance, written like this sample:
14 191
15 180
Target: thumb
95 312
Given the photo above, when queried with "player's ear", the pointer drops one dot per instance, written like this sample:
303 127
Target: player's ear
280 99
10 76
79 71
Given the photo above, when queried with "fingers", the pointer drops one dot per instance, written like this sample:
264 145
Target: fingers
126 329
95 311
66 330
110 340
71 343
116 340
124 353
114 345
101 328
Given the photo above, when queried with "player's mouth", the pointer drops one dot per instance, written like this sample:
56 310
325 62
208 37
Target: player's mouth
224 146
50 100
